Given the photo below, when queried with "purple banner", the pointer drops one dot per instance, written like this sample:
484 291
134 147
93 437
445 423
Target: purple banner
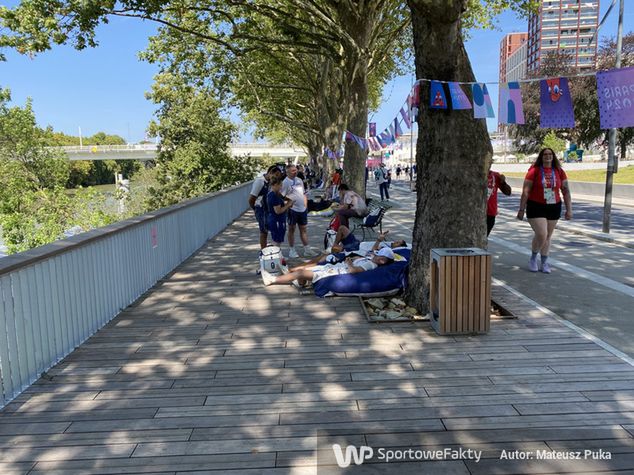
372 129
556 104
459 100
615 90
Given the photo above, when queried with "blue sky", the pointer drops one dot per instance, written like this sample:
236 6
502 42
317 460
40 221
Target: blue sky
102 89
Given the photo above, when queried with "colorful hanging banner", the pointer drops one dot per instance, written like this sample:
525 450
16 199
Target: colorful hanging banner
406 119
397 128
615 90
437 98
482 107
459 100
372 129
510 107
556 105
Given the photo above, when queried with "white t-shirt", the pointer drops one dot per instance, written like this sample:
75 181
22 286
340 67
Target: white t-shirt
257 186
358 203
294 190
327 270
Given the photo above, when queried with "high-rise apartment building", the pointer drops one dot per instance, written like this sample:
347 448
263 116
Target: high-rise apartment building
566 25
510 46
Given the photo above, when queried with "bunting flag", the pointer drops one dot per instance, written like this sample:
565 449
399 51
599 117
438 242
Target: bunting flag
392 131
437 98
415 101
459 100
510 107
482 107
397 129
556 104
349 136
616 98
405 115
372 129
415 97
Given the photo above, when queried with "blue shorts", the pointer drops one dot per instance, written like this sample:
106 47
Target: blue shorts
260 217
297 217
350 243
278 229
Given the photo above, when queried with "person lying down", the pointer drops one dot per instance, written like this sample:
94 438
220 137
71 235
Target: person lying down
345 240
312 272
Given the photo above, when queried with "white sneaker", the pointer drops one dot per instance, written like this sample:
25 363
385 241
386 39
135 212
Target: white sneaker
267 278
292 253
310 252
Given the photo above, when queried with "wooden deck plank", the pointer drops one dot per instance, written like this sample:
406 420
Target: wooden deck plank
210 372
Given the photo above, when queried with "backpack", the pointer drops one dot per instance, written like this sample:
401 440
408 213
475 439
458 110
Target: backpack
376 174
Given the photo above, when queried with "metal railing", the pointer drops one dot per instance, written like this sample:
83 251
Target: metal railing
54 297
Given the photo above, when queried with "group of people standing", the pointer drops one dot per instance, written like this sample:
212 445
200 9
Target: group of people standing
278 199
544 189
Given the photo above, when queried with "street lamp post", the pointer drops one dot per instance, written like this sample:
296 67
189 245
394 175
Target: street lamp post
612 164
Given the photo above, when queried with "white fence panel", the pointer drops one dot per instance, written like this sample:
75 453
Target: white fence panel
54 297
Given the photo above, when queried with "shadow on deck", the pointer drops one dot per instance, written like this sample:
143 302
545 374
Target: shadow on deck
211 372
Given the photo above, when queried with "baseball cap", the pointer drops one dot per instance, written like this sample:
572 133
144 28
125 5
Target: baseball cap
385 252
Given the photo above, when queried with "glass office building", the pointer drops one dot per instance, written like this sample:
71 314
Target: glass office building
566 25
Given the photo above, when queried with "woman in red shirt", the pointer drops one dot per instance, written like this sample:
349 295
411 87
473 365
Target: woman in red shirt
541 199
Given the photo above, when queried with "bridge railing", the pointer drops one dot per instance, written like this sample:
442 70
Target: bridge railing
108 148
54 297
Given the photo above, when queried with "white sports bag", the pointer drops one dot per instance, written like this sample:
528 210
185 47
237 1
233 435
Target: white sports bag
272 260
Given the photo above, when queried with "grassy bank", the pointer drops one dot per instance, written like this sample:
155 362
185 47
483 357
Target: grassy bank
625 176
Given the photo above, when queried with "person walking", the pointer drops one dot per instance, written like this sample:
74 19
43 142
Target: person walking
544 184
383 184
495 182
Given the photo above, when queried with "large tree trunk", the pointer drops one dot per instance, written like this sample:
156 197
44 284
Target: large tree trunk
453 152
355 156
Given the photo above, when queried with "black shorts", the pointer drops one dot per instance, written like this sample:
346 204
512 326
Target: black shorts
552 212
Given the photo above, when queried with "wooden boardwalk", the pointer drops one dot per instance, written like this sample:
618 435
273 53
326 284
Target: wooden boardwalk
211 372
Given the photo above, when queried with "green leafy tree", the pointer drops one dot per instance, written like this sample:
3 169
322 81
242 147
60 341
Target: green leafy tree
359 37
35 208
552 141
193 156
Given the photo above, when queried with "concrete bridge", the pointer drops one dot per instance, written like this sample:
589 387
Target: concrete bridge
146 152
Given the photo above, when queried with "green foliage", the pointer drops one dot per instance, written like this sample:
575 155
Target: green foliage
194 156
60 139
552 141
35 208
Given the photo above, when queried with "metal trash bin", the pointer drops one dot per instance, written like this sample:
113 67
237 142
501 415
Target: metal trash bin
460 291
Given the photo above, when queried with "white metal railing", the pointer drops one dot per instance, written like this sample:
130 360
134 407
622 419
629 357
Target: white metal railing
54 297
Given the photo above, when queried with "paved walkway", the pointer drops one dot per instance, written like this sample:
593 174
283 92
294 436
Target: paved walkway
210 372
